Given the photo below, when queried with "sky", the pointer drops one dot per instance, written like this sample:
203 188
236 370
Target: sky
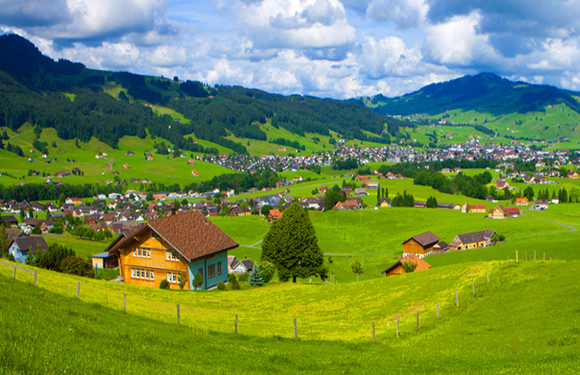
327 48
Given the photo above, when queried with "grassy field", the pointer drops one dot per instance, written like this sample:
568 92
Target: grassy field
64 334
163 169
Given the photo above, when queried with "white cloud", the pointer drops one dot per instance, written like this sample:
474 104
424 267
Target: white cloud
388 57
295 23
168 56
456 43
403 13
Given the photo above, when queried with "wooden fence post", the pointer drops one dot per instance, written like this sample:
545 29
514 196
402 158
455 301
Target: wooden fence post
499 267
178 313
35 276
295 330
544 255
79 289
508 262
526 255
534 254
417 319
474 288
517 258
124 302
437 310
312 335
517 347
236 326
397 326
14 274
488 274
456 299
373 332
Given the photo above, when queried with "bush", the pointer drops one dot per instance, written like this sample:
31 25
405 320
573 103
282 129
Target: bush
198 280
267 270
74 265
52 257
243 277
164 284
221 285
233 281
409 266
256 277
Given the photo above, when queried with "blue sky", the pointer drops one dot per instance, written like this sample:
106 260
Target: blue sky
325 48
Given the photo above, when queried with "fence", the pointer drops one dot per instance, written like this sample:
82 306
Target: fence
424 318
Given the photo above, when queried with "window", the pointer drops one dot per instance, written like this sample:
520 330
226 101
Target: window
142 253
171 255
211 271
138 273
219 268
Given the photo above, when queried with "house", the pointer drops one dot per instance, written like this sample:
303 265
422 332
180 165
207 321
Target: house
174 248
21 247
500 185
10 220
397 268
274 214
572 175
477 208
522 201
75 201
440 247
349 204
105 260
472 240
360 191
420 245
194 173
449 206
541 205
29 224
242 266
362 178
385 202
501 212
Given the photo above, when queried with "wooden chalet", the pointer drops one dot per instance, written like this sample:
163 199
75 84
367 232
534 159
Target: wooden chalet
174 248
420 245
397 268
472 240
274 214
522 201
501 212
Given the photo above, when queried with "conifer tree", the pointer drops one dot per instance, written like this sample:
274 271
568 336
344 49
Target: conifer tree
291 245
256 277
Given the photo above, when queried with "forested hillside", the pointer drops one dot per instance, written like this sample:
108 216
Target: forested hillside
484 92
74 100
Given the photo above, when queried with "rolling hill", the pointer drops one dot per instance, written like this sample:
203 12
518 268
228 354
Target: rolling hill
83 103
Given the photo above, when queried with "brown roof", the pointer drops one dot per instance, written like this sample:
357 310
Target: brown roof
421 264
190 233
31 244
425 239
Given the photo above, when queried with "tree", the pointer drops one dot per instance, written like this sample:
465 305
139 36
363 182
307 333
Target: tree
267 271
409 266
357 268
198 280
4 242
291 245
266 209
149 196
256 277
432 202
52 257
529 193
233 281
77 266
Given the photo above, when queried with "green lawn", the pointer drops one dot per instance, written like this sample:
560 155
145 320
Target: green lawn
63 334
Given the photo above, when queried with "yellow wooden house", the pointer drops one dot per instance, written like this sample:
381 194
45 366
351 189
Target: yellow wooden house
176 249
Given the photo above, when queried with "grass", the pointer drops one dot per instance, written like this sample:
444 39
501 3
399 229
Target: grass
94 335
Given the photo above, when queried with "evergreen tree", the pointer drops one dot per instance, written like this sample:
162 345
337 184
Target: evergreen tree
256 277
379 196
292 246
432 202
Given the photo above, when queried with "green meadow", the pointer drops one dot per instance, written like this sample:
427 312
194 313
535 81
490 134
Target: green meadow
508 326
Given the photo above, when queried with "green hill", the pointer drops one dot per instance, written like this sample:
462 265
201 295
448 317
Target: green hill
83 103
514 324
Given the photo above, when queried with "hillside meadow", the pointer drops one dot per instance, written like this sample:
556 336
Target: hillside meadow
499 329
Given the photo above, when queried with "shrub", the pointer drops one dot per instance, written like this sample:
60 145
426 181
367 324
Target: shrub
267 271
233 281
256 277
77 266
243 277
409 266
198 280
164 284
183 281
221 285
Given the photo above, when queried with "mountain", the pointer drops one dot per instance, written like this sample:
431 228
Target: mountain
82 103
484 92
